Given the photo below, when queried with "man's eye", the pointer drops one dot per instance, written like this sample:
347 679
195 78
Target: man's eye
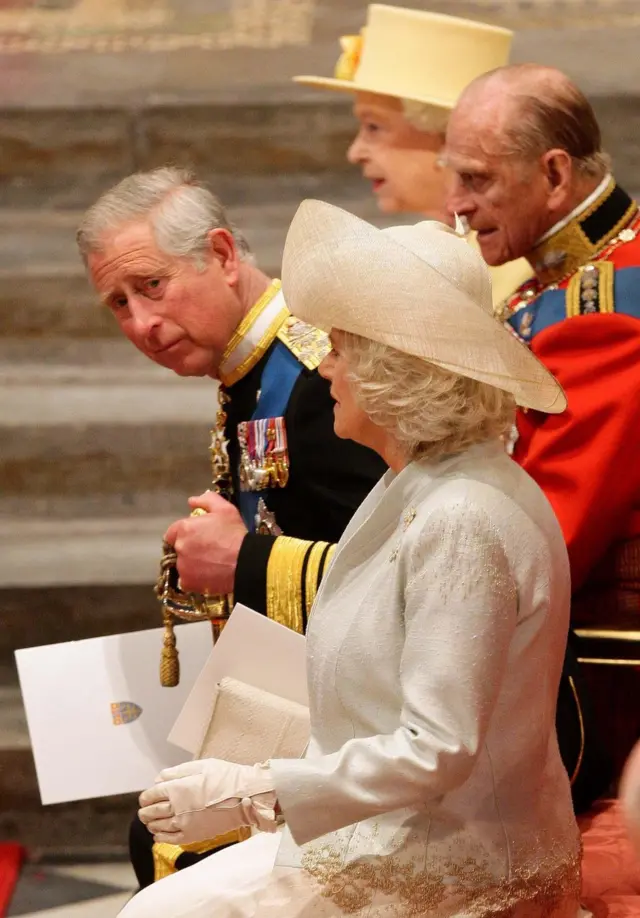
152 286
118 302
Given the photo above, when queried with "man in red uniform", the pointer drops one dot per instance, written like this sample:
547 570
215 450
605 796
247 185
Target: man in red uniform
529 175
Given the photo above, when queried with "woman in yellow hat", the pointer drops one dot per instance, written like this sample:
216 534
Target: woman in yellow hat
407 69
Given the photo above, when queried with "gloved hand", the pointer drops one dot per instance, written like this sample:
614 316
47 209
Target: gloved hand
199 800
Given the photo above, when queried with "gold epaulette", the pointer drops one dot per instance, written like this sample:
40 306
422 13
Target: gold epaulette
308 344
591 289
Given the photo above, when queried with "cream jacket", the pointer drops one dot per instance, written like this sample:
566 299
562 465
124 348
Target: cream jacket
433 783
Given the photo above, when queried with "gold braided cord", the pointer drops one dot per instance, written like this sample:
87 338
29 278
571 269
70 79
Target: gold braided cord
284 582
312 576
190 607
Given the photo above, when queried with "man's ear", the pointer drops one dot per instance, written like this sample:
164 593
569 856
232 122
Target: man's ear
222 248
557 166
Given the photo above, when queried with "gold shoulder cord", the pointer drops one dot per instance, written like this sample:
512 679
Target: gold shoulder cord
193 607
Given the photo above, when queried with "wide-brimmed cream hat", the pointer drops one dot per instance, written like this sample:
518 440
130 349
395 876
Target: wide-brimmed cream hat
420 289
417 55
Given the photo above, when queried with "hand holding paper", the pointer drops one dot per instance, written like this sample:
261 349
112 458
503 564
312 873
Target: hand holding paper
208 797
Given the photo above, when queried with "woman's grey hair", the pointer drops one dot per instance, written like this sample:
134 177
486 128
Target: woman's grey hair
425 117
181 210
431 412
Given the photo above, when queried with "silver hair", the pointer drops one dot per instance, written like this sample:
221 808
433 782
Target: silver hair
431 412
425 117
181 211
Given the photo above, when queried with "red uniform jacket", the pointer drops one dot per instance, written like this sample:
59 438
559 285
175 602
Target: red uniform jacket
587 460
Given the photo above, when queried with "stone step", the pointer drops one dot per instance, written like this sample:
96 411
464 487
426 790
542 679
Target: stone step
33 615
65 160
73 123
97 441
45 553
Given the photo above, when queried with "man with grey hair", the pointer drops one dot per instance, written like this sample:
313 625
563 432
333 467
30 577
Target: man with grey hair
530 176
182 285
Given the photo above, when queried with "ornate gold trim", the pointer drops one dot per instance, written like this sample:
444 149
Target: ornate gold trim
562 254
243 329
284 582
605 286
572 301
308 344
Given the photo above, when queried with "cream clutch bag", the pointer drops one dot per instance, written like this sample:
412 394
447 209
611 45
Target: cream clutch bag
250 725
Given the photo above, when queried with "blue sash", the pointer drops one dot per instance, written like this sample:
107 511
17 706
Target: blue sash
278 379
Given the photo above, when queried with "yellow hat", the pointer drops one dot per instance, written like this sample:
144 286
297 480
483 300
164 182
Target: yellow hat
412 54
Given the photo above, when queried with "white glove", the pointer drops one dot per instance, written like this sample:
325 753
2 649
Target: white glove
199 800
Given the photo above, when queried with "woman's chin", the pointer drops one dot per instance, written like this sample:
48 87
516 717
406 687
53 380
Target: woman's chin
339 427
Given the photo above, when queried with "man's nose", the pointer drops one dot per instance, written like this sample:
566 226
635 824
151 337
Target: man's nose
145 319
458 200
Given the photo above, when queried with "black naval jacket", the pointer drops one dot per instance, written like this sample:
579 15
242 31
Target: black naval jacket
328 480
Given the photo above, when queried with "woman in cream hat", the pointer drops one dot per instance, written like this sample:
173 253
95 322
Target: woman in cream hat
432 783
407 70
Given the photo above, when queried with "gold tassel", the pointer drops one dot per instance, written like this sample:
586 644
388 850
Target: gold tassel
169 662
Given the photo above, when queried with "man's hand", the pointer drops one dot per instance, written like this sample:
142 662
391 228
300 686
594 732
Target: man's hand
208 546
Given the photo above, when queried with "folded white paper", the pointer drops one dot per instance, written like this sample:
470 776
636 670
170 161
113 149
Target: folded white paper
98 717
252 649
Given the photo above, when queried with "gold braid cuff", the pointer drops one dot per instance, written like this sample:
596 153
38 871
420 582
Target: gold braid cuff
166 855
328 559
313 574
285 573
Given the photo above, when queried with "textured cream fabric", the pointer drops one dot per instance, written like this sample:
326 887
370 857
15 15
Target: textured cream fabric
433 783
250 725
433 777
340 272
419 55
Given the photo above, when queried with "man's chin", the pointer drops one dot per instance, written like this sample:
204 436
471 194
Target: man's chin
492 249
187 367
